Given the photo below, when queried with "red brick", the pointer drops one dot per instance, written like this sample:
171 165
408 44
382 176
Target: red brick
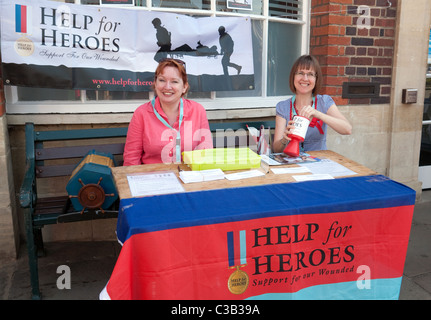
340 101
351 51
336 40
374 12
335 81
360 101
343 20
372 51
386 71
388 52
385 23
390 33
384 42
330 70
363 61
363 32
365 2
325 30
338 61
332 91
382 61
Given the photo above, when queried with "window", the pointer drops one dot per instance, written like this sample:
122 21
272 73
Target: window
280 32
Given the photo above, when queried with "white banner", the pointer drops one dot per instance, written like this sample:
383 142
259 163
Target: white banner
110 44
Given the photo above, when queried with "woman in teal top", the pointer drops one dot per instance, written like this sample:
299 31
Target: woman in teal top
305 82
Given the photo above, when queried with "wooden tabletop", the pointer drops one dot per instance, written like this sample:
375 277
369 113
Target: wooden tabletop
120 174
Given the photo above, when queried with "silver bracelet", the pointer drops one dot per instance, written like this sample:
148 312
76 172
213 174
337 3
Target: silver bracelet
284 141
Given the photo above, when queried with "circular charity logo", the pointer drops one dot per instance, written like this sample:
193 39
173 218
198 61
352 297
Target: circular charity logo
24 46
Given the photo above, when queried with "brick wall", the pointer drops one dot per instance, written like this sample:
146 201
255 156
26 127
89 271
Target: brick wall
354 47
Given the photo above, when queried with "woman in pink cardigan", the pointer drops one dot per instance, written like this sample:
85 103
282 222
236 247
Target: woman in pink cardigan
161 129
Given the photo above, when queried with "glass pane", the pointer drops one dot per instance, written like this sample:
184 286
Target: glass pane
183 4
42 94
94 2
198 95
291 9
257 34
98 95
284 47
425 154
256 7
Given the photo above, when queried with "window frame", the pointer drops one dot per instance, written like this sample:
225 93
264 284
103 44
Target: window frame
14 106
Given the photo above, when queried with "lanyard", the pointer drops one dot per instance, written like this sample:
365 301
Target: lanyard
178 139
293 109
314 122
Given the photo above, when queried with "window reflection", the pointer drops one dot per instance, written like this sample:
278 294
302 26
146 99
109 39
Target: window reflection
98 95
41 94
284 42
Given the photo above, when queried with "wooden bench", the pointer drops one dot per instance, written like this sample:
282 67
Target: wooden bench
51 154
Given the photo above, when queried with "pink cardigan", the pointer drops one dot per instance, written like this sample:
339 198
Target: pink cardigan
150 141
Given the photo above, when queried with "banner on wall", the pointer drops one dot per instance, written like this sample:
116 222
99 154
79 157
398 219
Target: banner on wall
58 45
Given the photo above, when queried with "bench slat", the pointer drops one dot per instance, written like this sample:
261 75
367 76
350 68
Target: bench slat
54 170
77 134
77 151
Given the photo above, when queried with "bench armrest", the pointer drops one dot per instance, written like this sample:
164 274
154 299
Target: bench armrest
26 193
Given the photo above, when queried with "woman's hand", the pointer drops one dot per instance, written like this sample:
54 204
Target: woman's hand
281 134
333 118
309 112
288 130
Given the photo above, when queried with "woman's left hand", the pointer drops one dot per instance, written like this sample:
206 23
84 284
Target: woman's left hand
308 112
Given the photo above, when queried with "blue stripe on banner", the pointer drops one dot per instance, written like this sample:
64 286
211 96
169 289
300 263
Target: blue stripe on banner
379 289
17 18
242 243
356 193
230 249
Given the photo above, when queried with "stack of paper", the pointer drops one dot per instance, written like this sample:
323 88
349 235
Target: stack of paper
244 175
203 175
153 183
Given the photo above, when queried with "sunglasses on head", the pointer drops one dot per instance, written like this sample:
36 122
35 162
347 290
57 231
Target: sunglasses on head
173 60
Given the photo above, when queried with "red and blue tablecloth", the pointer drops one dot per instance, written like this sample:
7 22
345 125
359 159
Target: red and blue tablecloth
331 239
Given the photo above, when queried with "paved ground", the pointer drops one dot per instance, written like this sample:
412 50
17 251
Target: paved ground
416 283
91 264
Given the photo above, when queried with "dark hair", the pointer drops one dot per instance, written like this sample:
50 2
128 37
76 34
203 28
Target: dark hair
306 62
180 65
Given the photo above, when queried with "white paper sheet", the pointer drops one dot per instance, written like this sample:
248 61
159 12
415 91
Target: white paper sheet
244 175
311 177
327 166
203 175
290 170
154 183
